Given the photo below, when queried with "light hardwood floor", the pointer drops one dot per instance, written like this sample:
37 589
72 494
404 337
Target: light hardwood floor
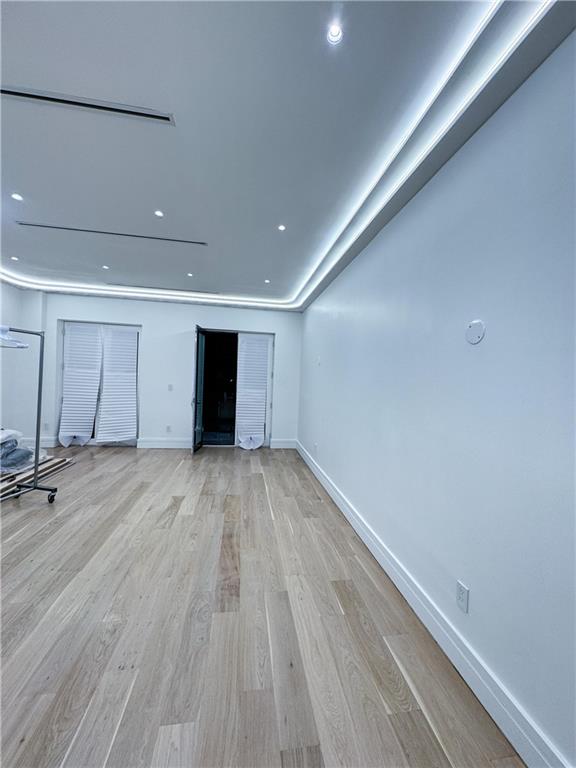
216 610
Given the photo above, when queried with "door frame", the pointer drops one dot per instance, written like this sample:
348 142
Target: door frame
269 399
197 444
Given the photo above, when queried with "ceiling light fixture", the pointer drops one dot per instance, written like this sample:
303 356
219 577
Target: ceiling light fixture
335 34
16 196
14 258
160 214
266 281
105 266
190 274
281 227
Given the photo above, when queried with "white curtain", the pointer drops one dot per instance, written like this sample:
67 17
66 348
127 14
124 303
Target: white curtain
99 387
81 381
117 417
254 352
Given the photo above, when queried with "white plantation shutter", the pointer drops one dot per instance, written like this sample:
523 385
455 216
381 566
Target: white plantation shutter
252 388
80 382
117 418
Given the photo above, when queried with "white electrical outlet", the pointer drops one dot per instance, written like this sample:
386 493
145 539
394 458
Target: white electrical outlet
462 596
168 428
170 388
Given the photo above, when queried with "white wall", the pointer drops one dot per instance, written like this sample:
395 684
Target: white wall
166 357
19 380
460 459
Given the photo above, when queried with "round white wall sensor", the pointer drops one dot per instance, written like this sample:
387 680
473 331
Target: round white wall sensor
475 332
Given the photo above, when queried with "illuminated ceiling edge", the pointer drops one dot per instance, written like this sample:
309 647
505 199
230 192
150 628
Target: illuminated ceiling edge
317 275
407 135
147 294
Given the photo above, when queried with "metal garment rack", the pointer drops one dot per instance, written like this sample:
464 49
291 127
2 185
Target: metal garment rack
35 485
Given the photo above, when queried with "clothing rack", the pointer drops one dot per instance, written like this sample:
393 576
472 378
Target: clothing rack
34 485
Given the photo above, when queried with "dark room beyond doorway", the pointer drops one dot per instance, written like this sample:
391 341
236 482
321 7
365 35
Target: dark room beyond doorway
220 365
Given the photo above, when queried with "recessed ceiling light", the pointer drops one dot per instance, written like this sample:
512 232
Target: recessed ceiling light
14 258
190 274
281 227
16 196
105 266
266 281
160 214
334 34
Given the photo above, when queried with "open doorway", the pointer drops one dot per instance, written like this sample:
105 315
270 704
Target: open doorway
233 388
220 365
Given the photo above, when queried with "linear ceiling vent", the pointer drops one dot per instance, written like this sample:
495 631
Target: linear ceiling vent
106 232
60 99
157 288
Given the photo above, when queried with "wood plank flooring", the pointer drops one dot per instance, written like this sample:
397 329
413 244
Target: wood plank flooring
215 610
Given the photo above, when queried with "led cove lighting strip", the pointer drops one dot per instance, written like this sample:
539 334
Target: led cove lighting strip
111 291
388 194
292 303
477 31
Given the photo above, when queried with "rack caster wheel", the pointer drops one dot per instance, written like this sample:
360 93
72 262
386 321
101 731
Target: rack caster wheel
51 497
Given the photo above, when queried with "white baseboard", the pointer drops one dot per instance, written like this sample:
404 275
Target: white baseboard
165 442
529 740
46 441
284 443
52 442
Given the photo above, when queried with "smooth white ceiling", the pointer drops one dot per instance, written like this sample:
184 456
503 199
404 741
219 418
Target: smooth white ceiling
273 125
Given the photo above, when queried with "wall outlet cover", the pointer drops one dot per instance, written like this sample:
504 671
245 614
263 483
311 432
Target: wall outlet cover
462 596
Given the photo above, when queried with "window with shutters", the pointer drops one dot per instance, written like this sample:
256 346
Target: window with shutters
117 416
99 384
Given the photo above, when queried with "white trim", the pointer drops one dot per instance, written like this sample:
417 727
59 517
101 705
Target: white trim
284 442
164 442
51 441
530 741
46 441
